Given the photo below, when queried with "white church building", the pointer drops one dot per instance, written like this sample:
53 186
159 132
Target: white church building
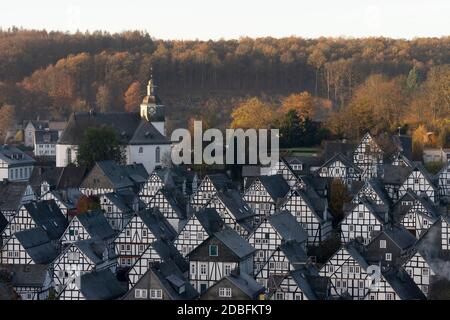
142 134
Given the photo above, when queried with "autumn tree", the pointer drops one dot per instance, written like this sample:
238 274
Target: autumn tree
99 144
7 118
302 103
87 203
252 113
103 99
133 97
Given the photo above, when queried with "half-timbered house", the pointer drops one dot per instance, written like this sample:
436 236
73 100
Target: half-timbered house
79 258
340 167
374 191
13 195
271 233
209 186
362 221
102 285
233 210
217 256
143 229
311 211
420 181
264 195
283 168
368 156
201 225
391 247
172 205
236 286
444 181
289 256
89 225
32 246
158 251
304 283
158 179
162 281
119 208
43 214
30 281
393 177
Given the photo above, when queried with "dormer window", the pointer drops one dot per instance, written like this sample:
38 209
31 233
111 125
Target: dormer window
141 150
213 250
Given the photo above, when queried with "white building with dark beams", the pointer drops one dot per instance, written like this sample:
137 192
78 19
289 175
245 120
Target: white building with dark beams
210 185
342 168
420 181
265 194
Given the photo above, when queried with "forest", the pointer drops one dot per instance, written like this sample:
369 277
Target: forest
348 85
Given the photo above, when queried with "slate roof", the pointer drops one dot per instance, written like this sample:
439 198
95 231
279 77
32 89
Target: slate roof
251 171
287 227
380 212
401 237
403 284
400 210
295 253
376 186
175 202
115 173
96 225
235 204
394 174
129 128
14 156
11 194
46 136
344 160
48 216
221 181
137 173
37 244
29 275
246 284
210 220
168 252
331 148
102 285
94 249
3 222
233 241
158 224
117 200
313 286
317 204
275 186
172 279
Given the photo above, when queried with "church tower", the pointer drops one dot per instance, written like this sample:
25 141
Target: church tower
152 109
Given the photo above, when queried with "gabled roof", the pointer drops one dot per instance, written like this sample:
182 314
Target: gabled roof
295 253
275 186
128 126
210 220
158 224
233 241
172 280
430 179
93 249
47 215
331 148
117 200
403 285
113 172
14 156
317 204
37 244
11 194
235 204
380 212
400 210
401 237
344 160
46 136
220 181
313 286
137 173
287 227
177 203
96 225
246 284
167 251
379 189
29 275
394 174
102 285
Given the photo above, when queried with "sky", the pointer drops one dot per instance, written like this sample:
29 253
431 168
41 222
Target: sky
231 19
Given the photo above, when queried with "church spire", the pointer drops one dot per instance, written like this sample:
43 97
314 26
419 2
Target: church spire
151 85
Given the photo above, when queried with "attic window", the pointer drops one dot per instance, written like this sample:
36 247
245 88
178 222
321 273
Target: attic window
213 251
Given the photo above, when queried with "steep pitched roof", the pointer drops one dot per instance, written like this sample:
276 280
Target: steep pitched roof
96 225
3 222
275 186
46 136
37 244
158 224
233 241
344 160
30 275
11 194
102 285
331 148
93 249
403 285
295 253
246 283
129 128
168 252
235 204
14 156
48 216
313 286
288 227
210 220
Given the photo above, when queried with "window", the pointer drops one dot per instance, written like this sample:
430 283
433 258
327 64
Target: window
193 268
279 296
203 269
213 251
351 228
144 233
357 270
200 236
155 294
227 269
425 289
361 284
141 150
389 296
416 181
425 271
158 155
361 215
140 294
388 257
225 292
382 244
330 268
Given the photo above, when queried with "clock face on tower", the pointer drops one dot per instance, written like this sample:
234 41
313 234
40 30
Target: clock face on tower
151 111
